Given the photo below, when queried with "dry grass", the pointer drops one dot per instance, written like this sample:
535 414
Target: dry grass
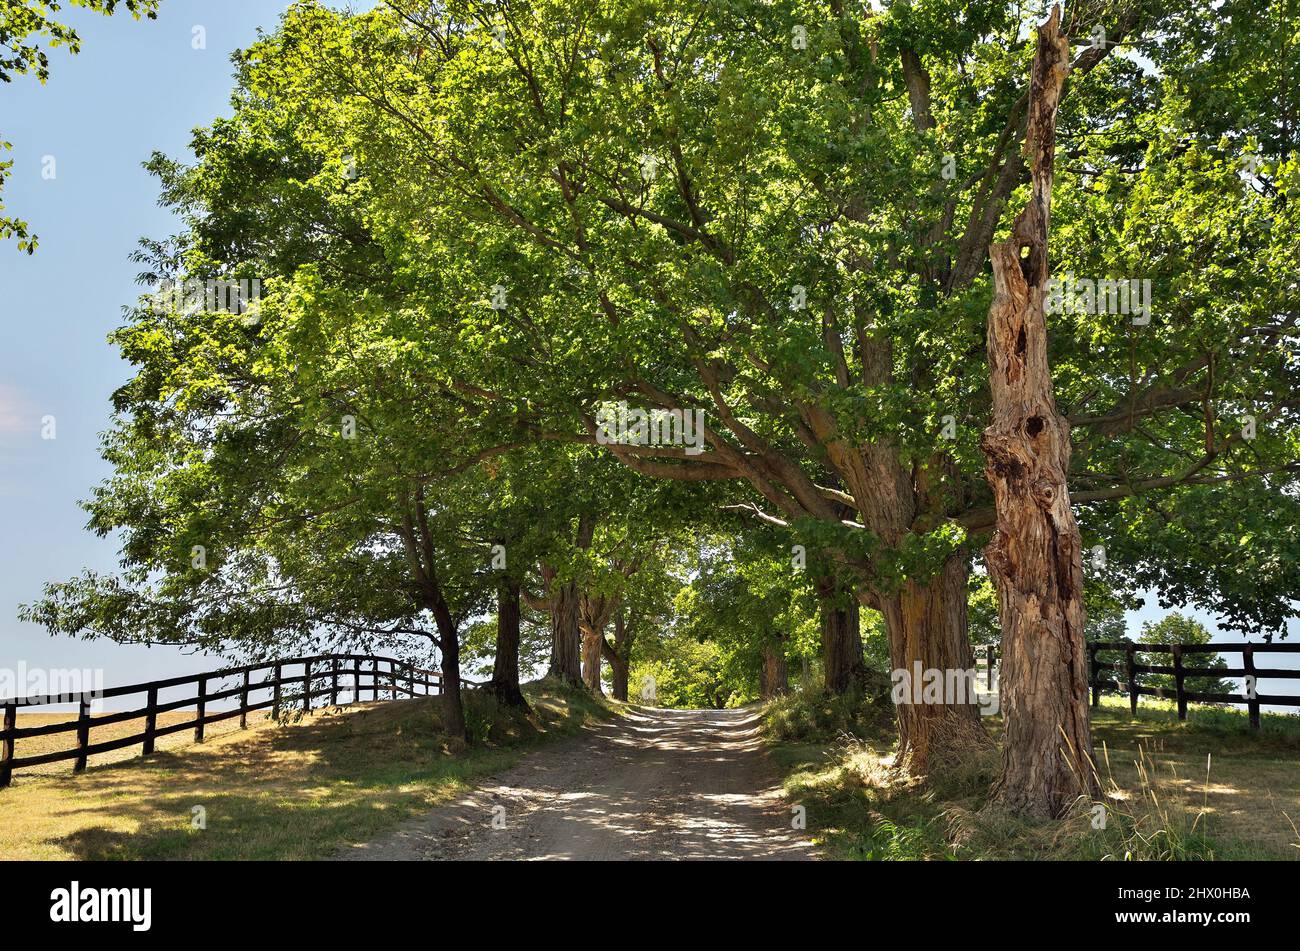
298 791
1245 787
36 745
1162 802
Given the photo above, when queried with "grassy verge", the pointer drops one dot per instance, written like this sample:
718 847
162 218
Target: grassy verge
1208 788
279 792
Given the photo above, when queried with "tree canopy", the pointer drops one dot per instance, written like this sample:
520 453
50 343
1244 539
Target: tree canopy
478 226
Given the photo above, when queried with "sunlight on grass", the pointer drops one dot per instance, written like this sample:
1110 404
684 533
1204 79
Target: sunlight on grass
298 791
1207 788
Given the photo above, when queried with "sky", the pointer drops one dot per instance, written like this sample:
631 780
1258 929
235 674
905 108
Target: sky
136 87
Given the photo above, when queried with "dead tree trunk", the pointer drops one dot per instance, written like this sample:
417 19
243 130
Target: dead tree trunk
1035 556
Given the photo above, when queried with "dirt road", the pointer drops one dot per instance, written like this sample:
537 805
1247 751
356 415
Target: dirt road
655 784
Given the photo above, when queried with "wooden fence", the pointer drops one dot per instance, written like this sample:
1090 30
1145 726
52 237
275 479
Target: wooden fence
319 676
1130 668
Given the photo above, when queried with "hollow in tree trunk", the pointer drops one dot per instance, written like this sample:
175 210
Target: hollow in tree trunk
1035 556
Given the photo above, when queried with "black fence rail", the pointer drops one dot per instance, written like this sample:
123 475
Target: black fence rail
321 676
1180 655
1178 669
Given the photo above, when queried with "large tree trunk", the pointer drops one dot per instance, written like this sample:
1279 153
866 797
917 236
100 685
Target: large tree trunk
593 617
619 654
566 636
418 543
1035 556
618 669
925 619
927 626
591 641
841 637
505 666
776 674
566 632
453 710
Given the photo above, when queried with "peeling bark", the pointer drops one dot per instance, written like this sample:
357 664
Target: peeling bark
1035 555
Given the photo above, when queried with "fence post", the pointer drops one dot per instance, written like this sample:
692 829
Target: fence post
1094 676
83 733
356 679
392 680
203 709
306 686
1132 680
988 666
275 704
1252 696
334 681
7 750
243 704
150 721
1178 680
410 676
374 678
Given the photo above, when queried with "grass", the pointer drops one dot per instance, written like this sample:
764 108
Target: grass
36 745
297 791
1207 788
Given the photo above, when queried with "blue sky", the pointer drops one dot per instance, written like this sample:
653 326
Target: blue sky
135 87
